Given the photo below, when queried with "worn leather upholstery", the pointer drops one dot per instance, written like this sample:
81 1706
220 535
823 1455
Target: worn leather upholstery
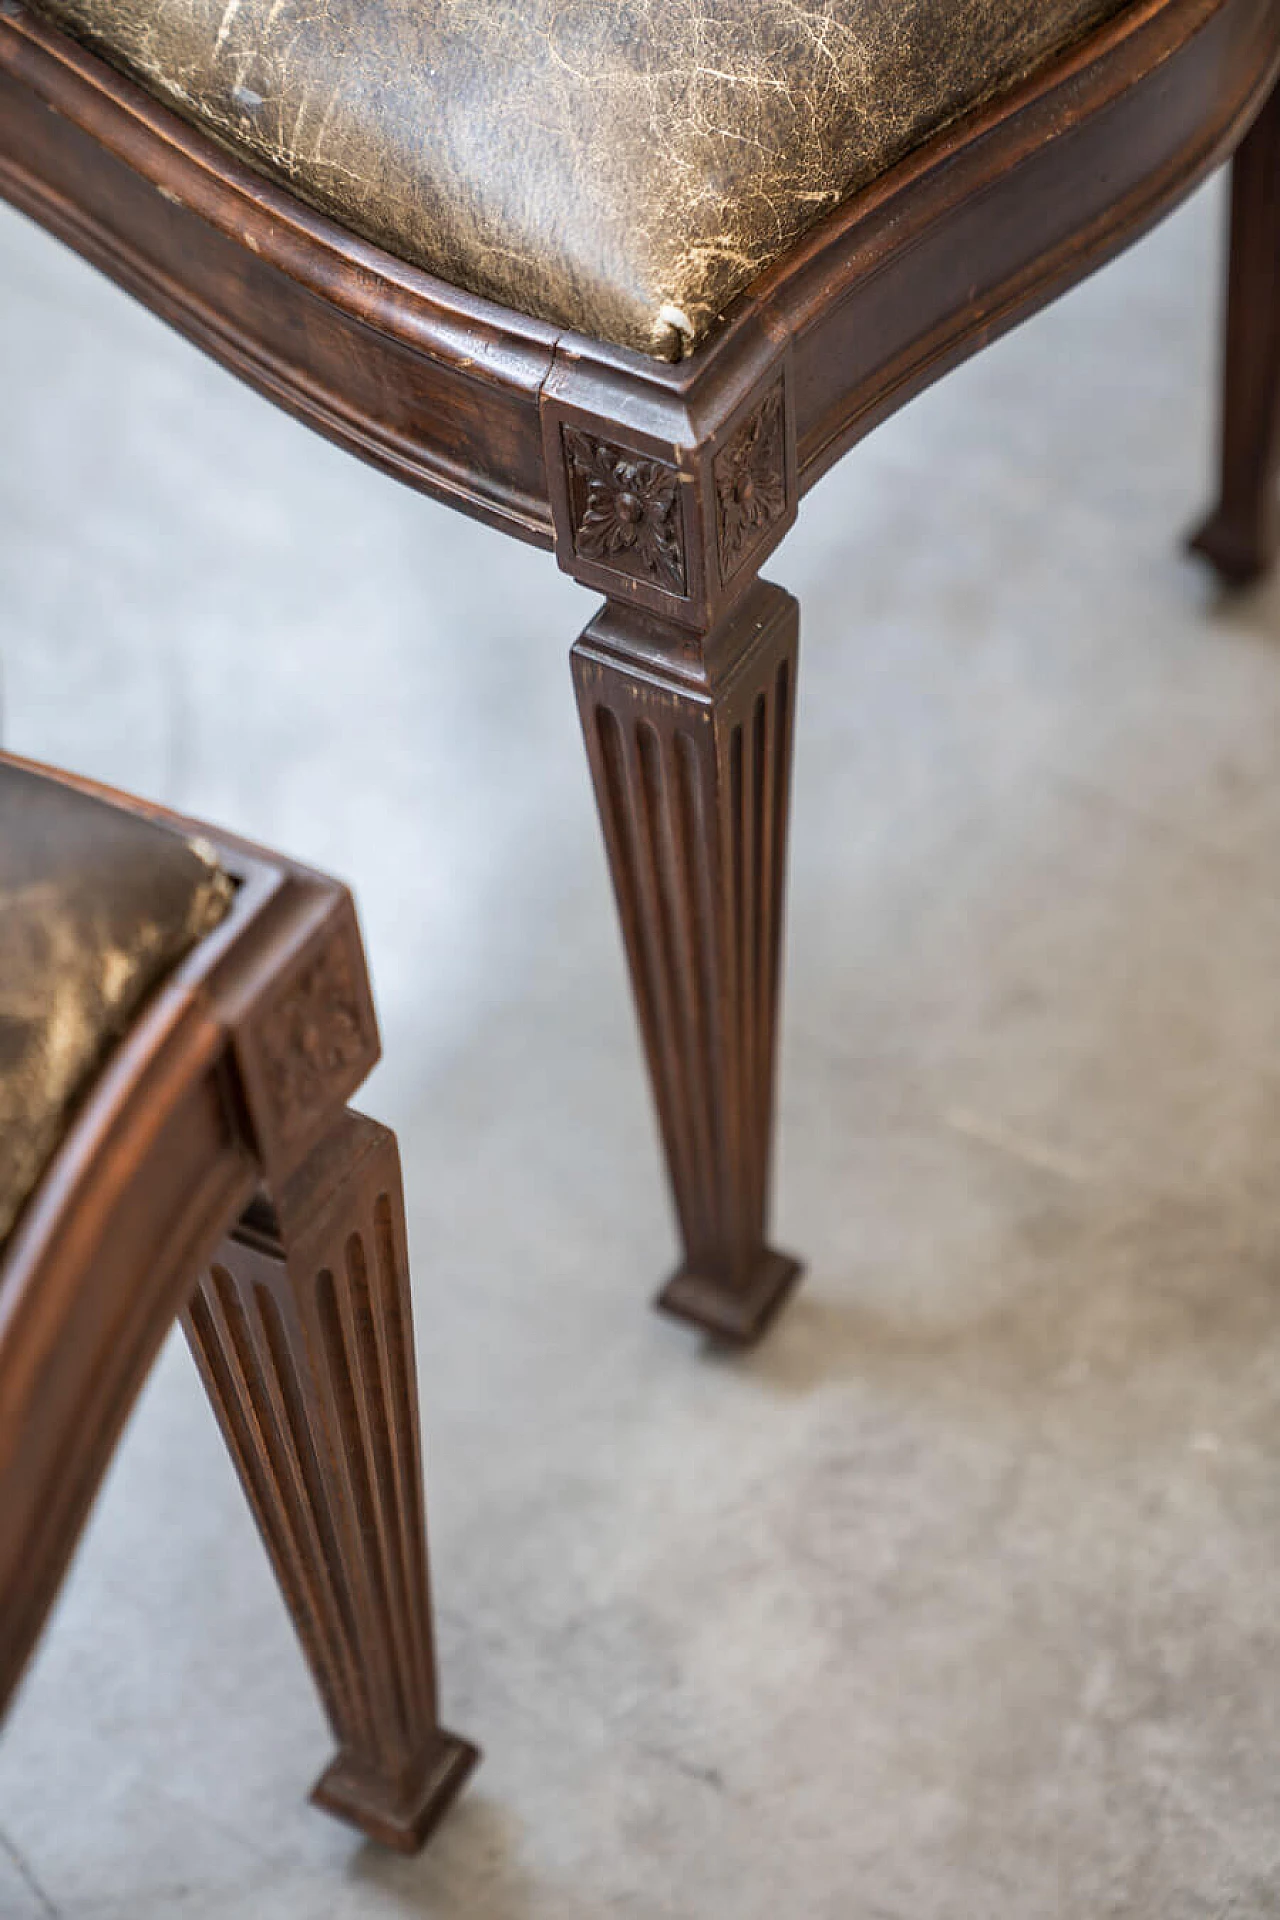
96 906
621 167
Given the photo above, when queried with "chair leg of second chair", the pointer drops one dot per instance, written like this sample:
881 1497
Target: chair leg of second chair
303 1334
1241 538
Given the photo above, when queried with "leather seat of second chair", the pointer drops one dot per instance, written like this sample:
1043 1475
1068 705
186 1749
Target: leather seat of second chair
623 169
97 905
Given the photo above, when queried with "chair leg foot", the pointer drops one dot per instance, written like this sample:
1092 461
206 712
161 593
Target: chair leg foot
1240 551
736 1314
401 1813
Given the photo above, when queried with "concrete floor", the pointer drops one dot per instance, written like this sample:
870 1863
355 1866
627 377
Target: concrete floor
959 1600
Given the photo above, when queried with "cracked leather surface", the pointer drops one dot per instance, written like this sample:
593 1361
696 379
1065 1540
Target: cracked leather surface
96 906
621 167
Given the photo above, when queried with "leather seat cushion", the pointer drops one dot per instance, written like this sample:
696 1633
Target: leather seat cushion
620 167
96 906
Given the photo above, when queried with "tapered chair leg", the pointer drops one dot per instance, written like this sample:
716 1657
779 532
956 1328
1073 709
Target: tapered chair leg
689 739
1242 536
303 1335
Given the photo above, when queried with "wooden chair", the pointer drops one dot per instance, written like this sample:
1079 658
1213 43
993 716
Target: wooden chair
180 1029
624 281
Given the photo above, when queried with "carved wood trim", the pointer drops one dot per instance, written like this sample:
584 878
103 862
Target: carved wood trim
658 512
750 475
625 511
308 1039
314 1037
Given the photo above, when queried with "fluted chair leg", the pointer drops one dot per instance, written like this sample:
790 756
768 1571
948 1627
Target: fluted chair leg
689 740
303 1334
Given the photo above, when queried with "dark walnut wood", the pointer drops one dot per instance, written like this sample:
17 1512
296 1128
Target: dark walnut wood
689 739
667 487
303 1332
1242 535
218 1141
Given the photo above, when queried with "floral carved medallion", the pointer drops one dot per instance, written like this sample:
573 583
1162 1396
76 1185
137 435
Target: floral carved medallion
626 511
313 1036
750 474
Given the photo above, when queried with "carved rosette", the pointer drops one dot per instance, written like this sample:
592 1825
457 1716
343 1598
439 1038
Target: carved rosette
626 511
750 476
311 1040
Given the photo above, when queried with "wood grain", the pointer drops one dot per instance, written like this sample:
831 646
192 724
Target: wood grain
966 236
302 1329
690 751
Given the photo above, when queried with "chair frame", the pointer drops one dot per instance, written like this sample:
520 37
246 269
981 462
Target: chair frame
214 1170
666 487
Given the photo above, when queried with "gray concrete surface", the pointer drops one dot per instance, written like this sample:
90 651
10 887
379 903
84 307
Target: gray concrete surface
957 1601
